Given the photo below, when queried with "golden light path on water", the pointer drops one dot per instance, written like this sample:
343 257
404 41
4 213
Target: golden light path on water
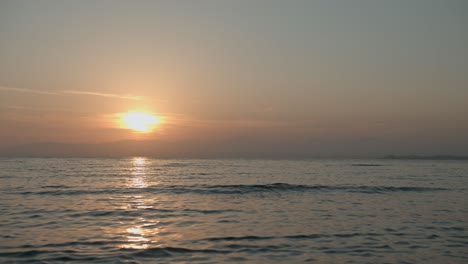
143 234
139 171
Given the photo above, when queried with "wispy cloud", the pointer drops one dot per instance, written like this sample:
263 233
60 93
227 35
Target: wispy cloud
75 92
35 109
23 90
129 97
17 107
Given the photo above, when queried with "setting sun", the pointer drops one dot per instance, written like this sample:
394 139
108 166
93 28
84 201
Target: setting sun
138 121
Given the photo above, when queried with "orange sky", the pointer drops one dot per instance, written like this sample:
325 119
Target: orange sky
305 78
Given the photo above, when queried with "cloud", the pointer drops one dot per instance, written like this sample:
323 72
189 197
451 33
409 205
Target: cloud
129 97
68 92
23 90
26 108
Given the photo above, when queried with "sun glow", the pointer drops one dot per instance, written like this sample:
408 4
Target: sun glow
139 121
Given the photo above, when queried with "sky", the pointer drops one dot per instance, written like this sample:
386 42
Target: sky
247 78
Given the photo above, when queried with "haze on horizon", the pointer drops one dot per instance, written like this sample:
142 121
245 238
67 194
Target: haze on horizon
325 78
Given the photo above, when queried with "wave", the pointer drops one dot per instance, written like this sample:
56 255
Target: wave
157 254
213 249
169 251
285 187
162 213
366 165
28 256
240 189
302 236
55 187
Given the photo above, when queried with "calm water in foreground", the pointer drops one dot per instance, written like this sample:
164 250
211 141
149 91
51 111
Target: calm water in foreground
140 210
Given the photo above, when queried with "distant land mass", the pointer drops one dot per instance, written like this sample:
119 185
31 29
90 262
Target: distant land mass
432 157
233 148
236 147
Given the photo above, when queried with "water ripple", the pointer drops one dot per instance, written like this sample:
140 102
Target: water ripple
238 189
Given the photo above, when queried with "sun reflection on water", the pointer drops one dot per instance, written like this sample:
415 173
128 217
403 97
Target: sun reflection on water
139 172
142 234
141 229
138 237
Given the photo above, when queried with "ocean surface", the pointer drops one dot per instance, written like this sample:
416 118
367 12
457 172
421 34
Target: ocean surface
141 210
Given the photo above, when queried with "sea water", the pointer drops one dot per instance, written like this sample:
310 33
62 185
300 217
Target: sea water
143 210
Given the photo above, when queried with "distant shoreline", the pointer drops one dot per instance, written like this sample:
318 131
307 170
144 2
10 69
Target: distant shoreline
434 157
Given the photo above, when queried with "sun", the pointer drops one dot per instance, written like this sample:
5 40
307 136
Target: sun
139 121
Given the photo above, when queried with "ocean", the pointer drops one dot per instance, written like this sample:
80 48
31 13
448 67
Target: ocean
143 210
